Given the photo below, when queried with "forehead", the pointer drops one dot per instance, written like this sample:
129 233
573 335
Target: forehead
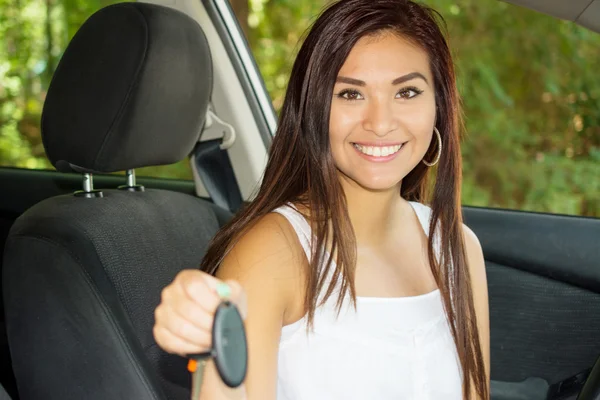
385 55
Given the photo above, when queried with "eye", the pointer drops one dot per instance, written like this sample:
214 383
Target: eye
408 93
350 94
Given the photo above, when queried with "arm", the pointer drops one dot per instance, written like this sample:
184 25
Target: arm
480 295
266 262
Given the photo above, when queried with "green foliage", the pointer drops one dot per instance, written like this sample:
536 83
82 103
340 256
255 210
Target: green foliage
532 106
276 28
20 84
529 83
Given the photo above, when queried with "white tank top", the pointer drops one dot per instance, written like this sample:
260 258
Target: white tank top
389 348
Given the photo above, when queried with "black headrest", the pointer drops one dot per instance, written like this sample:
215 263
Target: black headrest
131 90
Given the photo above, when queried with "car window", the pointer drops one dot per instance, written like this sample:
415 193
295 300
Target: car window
530 89
33 35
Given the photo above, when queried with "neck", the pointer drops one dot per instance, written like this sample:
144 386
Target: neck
372 212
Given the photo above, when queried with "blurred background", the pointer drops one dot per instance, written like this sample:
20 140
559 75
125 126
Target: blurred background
530 86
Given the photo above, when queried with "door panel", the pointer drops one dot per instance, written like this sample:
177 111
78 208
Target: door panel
544 291
540 327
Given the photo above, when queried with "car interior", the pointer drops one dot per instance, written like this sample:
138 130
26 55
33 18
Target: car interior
86 251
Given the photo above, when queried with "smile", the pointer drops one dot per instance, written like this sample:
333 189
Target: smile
378 151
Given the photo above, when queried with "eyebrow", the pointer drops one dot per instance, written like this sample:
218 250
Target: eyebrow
397 81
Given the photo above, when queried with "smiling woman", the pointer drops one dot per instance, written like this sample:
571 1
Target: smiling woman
339 237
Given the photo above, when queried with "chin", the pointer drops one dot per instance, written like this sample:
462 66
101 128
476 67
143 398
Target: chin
377 184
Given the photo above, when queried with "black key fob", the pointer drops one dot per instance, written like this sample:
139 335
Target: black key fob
230 348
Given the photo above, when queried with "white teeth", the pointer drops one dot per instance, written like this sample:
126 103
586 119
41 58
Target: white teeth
378 151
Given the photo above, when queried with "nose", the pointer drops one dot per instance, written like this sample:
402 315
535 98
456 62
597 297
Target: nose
380 118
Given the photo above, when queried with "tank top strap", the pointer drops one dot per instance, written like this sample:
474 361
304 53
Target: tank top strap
300 225
424 215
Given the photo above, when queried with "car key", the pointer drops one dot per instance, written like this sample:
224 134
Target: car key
196 366
229 350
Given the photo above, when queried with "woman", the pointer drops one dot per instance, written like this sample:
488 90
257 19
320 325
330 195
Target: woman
349 296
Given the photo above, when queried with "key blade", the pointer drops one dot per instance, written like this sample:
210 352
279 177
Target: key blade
197 378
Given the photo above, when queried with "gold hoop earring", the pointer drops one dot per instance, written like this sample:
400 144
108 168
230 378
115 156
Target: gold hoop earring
439 152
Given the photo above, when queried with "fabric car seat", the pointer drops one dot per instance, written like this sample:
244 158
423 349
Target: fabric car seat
84 272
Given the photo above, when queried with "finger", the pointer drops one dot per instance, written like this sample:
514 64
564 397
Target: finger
236 290
224 290
238 297
182 328
210 281
173 344
190 311
196 286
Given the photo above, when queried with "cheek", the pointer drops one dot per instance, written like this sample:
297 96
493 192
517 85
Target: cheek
420 123
342 122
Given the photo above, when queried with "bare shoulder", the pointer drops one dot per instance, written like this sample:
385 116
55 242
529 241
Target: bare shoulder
269 248
268 261
479 286
473 248
476 263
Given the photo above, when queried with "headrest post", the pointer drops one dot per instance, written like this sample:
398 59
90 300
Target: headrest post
130 177
88 187
131 185
88 183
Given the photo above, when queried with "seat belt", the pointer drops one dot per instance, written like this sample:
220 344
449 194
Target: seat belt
591 386
213 166
570 388
211 163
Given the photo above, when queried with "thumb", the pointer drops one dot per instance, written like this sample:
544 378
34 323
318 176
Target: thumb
228 290
217 286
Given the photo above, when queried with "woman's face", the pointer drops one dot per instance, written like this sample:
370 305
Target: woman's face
382 112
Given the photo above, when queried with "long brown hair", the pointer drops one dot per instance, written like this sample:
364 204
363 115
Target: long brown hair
301 168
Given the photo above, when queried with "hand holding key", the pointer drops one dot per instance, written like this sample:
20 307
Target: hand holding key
184 318
201 318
